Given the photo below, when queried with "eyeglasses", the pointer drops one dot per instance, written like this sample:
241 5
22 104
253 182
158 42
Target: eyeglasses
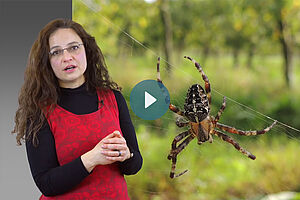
72 49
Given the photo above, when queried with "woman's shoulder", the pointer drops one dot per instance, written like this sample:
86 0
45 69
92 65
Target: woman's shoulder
116 92
118 95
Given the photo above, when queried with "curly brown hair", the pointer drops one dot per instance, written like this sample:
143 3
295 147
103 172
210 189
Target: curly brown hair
40 89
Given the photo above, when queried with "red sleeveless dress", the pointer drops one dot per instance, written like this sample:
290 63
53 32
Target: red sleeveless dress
75 135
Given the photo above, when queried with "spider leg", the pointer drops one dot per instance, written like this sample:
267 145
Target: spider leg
207 84
174 143
171 106
230 140
172 173
158 72
221 110
180 122
182 145
241 132
175 151
176 110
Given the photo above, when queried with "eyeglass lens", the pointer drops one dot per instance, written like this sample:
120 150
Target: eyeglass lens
74 48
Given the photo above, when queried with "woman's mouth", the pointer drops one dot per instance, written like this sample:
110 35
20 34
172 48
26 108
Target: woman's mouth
70 68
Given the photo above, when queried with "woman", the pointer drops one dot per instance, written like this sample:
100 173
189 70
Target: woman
79 137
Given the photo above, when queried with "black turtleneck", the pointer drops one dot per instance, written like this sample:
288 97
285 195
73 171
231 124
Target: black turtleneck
53 179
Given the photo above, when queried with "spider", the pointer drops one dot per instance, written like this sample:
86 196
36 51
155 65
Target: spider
202 125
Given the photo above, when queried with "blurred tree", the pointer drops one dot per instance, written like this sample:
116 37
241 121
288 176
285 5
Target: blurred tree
283 14
239 29
279 15
117 25
208 28
207 33
197 26
253 27
182 23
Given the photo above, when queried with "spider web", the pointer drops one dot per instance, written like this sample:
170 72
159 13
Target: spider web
154 132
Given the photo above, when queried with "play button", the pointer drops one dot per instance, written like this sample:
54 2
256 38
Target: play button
149 99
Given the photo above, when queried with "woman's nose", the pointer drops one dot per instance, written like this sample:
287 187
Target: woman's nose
66 55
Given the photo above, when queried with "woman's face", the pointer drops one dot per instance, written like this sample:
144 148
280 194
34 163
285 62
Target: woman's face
67 57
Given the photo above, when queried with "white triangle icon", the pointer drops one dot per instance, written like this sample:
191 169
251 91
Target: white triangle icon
149 99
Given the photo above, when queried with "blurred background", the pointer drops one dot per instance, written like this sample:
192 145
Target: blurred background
20 23
250 52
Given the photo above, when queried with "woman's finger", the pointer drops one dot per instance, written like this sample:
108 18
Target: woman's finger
119 156
114 146
117 133
111 135
116 153
114 141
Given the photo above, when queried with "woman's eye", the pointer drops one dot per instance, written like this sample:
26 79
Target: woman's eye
55 52
74 47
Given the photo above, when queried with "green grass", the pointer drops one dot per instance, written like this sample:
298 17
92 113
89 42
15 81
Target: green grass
217 170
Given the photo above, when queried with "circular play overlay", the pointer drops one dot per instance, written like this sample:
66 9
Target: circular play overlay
149 99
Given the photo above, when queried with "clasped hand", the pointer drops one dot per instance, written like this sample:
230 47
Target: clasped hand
114 147
110 149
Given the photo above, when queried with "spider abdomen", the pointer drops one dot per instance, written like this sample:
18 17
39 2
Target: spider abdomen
196 106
